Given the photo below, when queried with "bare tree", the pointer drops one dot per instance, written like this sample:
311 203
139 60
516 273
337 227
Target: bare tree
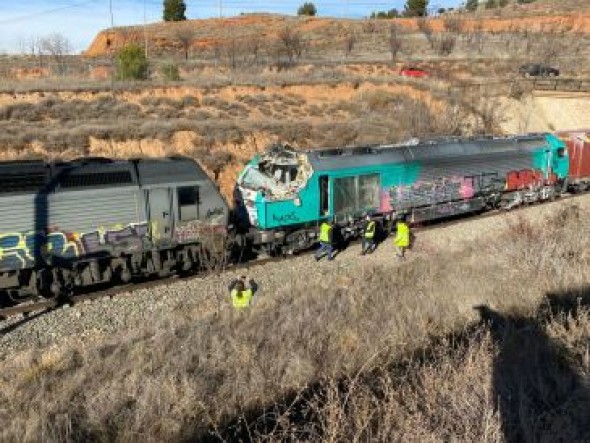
491 114
394 41
185 36
349 43
253 45
444 43
454 24
477 38
231 50
57 47
217 49
370 26
426 29
291 43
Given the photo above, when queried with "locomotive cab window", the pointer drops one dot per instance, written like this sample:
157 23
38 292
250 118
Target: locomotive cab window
561 152
188 203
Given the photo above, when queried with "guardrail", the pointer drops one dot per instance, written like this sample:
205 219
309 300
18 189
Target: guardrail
519 86
561 84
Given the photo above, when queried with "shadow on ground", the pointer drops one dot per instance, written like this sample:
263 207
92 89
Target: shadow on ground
538 392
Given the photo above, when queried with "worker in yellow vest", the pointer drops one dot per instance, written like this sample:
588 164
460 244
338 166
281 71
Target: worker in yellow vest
402 238
241 296
368 241
326 241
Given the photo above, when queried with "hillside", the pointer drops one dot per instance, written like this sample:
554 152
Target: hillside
320 33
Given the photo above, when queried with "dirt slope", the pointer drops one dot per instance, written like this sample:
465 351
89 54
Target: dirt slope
208 32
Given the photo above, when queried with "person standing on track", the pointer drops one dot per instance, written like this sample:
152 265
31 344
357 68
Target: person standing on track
368 241
241 296
326 240
402 238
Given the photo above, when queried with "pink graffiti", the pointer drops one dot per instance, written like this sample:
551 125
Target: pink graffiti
466 190
385 203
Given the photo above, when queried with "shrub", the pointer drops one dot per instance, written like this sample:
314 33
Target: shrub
132 63
308 9
170 72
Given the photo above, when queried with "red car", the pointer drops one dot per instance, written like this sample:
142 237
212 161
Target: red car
412 71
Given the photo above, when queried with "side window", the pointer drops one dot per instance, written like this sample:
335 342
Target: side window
188 203
324 195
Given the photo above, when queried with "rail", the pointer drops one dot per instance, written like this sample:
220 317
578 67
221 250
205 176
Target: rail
40 307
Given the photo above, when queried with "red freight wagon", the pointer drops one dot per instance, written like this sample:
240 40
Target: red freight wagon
578 146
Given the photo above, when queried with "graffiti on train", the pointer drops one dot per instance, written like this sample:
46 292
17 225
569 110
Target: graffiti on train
22 250
194 230
425 193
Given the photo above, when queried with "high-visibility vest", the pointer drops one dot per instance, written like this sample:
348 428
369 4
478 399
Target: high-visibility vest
241 299
402 236
370 230
325 230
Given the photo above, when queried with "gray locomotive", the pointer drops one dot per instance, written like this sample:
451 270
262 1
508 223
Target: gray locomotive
74 224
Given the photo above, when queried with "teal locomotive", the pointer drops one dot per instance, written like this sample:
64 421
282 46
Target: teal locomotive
283 195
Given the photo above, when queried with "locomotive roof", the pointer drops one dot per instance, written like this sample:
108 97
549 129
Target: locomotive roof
92 172
341 158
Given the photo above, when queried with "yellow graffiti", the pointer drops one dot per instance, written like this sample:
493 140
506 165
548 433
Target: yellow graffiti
21 247
13 245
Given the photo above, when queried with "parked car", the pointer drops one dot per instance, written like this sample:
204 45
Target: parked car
538 70
412 71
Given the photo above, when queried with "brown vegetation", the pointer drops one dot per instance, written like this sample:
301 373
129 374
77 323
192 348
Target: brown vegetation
163 36
395 353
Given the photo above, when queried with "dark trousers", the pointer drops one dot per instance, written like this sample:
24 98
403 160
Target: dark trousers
323 249
368 245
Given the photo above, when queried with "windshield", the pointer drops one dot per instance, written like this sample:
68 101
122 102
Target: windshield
254 179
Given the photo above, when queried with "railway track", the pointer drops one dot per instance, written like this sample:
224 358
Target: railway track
48 305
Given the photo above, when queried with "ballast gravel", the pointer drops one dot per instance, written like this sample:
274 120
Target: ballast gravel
199 297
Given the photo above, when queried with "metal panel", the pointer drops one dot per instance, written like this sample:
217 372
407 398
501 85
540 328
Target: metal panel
455 150
85 211
333 163
17 213
164 171
80 211
160 213
578 145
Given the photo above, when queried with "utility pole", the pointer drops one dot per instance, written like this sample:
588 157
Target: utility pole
220 8
112 53
145 30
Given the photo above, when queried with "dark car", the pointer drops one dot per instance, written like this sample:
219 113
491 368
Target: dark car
538 70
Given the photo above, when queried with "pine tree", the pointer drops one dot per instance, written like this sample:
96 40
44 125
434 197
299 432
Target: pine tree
416 8
174 10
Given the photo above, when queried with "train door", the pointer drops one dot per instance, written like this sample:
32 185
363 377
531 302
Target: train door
159 208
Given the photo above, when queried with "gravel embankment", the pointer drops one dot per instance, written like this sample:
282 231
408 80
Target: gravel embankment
200 297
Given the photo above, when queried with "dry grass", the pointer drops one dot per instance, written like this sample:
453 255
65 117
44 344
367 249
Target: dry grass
392 354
